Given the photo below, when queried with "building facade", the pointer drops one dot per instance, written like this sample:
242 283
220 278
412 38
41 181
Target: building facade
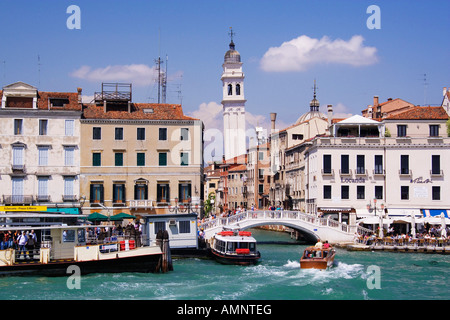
140 158
40 147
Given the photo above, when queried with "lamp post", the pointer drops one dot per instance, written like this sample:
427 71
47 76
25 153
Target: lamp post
381 211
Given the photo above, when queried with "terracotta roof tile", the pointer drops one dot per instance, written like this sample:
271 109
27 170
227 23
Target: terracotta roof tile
158 112
421 113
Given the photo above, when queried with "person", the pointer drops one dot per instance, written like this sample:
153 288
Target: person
319 244
326 245
22 241
30 245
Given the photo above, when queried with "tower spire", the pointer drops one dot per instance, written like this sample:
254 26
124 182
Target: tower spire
231 34
314 105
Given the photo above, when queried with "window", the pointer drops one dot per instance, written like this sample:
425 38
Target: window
118 193
260 156
435 164
140 134
17 190
96 159
360 192
345 194
162 134
327 192
69 156
96 133
18 156
297 137
260 188
69 188
404 164
184 192
436 193
162 159
345 164
378 192
43 156
118 133
140 159
160 226
140 191
378 164
43 189
401 130
327 163
18 123
404 192
238 89
185 226
96 193
69 127
230 89
434 130
118 159
43 124
184 158
69 235
184 134
360 166
162 192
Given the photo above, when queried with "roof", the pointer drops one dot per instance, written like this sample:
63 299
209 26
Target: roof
357 119
421 113
241 167
155 112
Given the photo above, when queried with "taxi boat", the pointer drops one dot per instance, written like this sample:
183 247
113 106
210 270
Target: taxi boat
317 258
234 247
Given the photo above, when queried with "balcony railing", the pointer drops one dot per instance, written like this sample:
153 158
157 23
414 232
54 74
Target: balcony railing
17 199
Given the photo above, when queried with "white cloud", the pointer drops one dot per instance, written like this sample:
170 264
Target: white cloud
303 52
138 74
340 111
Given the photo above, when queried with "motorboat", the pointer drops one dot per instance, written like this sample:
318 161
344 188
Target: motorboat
234 246
317 258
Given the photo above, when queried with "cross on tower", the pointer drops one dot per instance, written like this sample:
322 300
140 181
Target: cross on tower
231 33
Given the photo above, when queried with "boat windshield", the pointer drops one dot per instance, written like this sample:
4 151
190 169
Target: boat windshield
232 246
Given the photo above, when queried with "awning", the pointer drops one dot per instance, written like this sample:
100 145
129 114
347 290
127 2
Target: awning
64 210
121 216
403 212
374 220
334 209
434 212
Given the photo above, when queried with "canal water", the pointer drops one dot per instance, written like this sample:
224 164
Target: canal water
355 275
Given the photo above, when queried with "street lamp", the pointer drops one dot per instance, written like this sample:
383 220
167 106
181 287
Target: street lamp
381 211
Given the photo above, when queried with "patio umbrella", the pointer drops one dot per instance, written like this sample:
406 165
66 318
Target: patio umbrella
95 216
443 226
121 216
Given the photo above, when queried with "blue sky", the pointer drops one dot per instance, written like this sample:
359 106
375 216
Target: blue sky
114 35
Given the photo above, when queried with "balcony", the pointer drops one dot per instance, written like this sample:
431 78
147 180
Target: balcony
17 199
361 172
18 169
328 172
405 173
379 172
141 204
345 172
436 173
43 198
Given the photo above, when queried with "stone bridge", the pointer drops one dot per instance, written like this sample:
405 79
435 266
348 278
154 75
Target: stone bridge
310 226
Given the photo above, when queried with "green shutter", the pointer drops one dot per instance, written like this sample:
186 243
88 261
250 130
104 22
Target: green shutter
140 159
163 159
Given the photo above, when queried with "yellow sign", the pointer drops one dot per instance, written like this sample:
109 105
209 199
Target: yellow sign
23 208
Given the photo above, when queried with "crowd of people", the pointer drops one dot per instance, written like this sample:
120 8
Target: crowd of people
23 241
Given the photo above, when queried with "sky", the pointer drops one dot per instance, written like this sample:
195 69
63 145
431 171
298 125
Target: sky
400 50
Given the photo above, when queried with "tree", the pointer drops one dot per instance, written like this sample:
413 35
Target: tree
209 203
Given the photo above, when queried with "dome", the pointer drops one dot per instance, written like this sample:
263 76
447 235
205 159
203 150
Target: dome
314 110
232 55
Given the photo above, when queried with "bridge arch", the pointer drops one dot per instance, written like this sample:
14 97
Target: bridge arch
310 226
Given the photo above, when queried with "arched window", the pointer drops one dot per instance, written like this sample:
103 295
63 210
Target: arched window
238 89
230 89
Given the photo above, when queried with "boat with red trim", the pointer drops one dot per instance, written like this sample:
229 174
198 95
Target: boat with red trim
235 247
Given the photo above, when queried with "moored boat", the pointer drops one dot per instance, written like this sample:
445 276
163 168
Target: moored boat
317 258
62 245
235 247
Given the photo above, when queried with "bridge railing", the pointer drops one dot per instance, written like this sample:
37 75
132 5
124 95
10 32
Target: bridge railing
278 215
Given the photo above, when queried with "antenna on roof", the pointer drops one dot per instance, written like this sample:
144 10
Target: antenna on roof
425 84
39 71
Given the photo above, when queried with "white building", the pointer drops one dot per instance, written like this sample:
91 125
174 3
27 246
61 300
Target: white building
233 103
358 166
40 154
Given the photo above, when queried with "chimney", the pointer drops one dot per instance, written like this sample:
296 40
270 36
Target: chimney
273 117
375 101
330 114
80 100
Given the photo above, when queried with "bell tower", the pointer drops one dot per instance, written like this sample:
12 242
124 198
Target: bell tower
233 103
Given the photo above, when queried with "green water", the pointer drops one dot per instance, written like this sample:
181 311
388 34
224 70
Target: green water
405 276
